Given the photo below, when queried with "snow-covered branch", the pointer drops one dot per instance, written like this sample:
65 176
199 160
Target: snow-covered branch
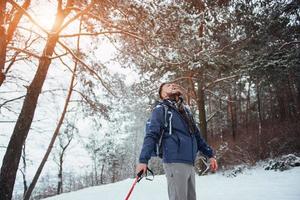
86 66
217 81
289 43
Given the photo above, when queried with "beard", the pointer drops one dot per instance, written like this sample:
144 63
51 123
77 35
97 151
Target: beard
174 96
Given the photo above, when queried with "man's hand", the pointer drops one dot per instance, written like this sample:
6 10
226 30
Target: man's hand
176 89
140 167
213 164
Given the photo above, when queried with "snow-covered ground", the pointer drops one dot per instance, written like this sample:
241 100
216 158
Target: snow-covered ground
252 184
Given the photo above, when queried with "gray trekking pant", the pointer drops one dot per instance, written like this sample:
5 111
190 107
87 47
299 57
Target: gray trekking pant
181 181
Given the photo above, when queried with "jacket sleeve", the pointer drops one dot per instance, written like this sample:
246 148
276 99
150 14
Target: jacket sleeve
202 145
153 130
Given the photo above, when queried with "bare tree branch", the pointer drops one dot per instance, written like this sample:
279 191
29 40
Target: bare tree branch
218 80
64 147
14 99
84 11
211 116
233 44
59 4
17 59
16 19
59 56
70 8
30 30
65 64
24 51
87 67
211 92
116 27
13 60
289 43
33 54
163 60
7 121
100 33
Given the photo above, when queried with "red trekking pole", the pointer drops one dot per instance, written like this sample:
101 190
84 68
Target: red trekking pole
136 180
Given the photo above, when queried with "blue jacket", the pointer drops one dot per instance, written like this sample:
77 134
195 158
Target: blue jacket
180 146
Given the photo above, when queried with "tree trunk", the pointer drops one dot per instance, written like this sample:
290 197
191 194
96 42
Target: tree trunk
113 170
259 132
280 95
13 152
297 83
95 171
2 40
210 113
24 169
55 134
135 147
292 99
281 103
232 114
201 107
16 19
6 36
14 149
101 175
60 180
248 107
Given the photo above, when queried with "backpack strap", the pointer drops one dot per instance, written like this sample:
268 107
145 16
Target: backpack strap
166 108
189 112
170 122
165 113
167 122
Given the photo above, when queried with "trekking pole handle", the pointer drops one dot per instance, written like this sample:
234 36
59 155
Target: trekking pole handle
151 172
140 173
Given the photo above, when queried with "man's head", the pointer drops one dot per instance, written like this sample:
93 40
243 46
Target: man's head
169 91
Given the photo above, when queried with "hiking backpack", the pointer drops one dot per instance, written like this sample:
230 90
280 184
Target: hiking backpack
166 124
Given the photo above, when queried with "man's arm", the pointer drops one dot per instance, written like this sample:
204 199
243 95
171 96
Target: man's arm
202 145
153 130
206 150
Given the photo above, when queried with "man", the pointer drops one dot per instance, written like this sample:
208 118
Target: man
179 146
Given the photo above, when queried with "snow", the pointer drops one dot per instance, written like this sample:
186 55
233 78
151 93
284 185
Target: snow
252 184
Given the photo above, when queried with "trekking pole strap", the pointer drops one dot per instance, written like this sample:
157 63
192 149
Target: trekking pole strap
140 175
152 174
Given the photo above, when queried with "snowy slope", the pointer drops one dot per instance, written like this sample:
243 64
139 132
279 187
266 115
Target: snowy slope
253 184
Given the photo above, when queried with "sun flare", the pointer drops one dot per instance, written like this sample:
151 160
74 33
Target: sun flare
45 15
